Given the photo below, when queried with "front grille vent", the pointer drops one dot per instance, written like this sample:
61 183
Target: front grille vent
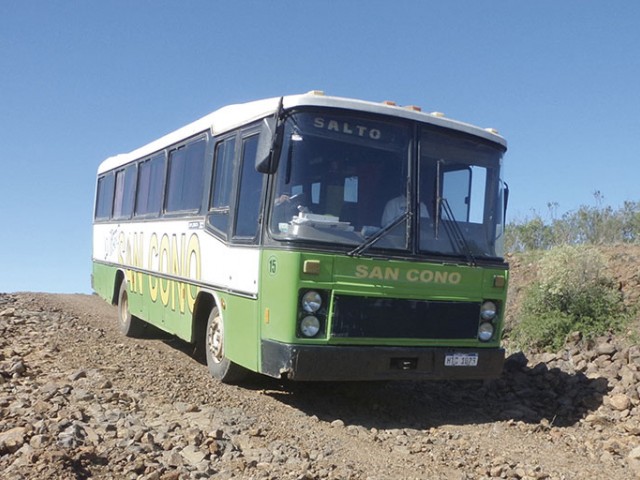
370 317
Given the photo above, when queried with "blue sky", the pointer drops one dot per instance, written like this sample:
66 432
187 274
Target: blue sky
83 80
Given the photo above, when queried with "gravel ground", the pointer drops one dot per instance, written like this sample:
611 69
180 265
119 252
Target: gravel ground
78 400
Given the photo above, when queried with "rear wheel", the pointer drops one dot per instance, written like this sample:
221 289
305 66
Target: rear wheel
129 324
220 366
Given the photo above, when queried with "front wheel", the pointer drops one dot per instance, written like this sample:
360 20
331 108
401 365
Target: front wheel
220 366
129 324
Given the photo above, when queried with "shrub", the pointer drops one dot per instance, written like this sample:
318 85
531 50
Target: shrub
573 292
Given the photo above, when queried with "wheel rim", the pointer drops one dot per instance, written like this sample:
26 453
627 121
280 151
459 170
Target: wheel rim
215 339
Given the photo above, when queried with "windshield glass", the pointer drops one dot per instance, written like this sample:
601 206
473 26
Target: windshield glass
343 179
459 183
336 176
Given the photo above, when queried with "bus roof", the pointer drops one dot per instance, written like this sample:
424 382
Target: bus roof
233 116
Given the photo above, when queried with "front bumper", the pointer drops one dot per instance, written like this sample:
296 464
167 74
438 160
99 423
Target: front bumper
347 363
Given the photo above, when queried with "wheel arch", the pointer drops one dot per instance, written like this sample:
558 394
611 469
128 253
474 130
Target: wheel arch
117 281
205 302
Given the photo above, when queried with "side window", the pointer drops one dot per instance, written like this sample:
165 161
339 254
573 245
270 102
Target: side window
124 193
150 186
186 174
456 186
250 192
104 197
478 194
222 184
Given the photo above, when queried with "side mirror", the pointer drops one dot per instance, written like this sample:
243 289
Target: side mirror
265 146
506 201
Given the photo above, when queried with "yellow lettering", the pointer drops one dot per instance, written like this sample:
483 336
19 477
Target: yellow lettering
136 261
376 272
177 288
193 268
362 271
413 275
426 276
121 248
164 268
153 262
391 273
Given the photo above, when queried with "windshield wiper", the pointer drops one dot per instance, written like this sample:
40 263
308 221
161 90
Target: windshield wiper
378 235
454 232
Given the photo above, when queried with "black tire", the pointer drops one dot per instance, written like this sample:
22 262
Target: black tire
130 325
219 366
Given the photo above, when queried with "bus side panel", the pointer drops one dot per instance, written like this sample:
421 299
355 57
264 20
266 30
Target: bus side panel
278 295
163 303
241 342
103 280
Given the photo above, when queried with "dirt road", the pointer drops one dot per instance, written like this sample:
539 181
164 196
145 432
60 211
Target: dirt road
79 400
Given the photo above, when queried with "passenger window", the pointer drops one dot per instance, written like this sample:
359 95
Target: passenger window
186 174
250 192
104 197
150 186
221 185
124 193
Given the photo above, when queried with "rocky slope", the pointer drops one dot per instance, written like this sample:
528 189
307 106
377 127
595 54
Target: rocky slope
78 400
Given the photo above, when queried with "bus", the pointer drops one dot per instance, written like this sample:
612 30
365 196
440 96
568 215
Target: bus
312 238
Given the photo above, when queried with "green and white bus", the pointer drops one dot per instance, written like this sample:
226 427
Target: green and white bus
311 237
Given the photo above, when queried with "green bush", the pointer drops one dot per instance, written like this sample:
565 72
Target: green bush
588 225
573 292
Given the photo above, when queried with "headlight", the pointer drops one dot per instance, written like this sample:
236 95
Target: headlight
488 311
311 302
310 326
485 332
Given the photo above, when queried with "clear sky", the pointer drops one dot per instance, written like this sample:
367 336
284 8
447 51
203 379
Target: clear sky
81 80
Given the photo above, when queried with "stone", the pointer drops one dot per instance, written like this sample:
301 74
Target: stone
192 454
633 460
12 439
620 402
39 441
606 348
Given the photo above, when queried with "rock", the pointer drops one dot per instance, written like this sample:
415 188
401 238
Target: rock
77 375
633 460
337 423
12 439
18 368
39 441
619 402
8 312
192 454
606 348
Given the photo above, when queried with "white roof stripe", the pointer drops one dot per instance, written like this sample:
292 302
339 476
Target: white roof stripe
233 116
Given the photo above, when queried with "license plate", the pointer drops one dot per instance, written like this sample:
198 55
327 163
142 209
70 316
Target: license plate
461 360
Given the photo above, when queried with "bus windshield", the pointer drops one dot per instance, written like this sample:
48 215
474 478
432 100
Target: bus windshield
345 179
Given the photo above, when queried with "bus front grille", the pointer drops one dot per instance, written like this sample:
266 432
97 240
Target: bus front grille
369 317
